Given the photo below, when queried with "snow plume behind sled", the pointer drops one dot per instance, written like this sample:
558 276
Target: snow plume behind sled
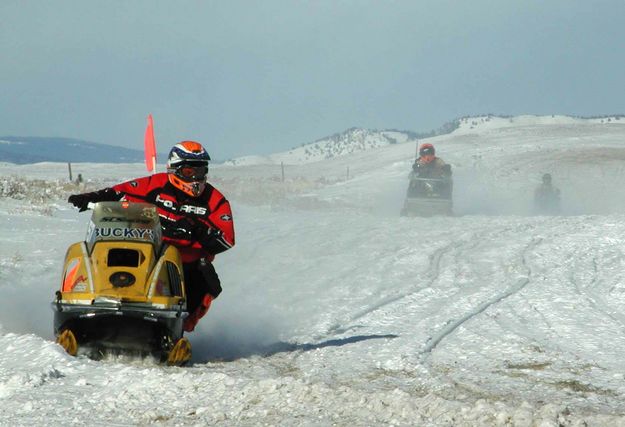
243 324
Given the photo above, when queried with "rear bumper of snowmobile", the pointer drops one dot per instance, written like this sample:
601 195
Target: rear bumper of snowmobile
427 206
120 325
119 309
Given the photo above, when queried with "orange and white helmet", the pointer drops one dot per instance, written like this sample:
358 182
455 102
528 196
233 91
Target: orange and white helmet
187 166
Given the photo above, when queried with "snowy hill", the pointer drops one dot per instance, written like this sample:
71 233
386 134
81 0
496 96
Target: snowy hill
356 140
353 140
490 121
337 311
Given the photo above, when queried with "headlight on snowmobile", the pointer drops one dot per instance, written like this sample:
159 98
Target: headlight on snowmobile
122 279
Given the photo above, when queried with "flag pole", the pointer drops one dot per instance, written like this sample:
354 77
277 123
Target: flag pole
149 144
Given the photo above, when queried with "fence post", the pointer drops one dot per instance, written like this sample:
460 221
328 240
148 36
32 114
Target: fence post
282 167
69 166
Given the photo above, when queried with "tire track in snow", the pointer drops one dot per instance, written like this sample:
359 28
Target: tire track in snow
595 300
432 273
451 326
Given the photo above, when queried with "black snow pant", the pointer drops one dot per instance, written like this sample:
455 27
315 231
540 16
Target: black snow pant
200 278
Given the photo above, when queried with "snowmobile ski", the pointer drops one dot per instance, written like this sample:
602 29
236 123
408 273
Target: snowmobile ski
67 340
180 354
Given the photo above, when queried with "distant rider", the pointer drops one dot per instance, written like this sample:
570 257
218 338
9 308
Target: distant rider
428 166
195 217
547 196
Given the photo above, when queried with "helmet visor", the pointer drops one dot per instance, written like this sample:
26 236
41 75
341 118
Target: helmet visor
426 151
190 173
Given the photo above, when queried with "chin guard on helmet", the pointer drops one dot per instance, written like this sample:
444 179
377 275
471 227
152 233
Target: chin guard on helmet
428 158
194 188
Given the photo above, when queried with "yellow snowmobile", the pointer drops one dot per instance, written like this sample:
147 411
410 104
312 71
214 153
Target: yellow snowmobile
122 288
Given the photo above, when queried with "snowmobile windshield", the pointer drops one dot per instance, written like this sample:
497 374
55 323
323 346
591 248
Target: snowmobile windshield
124 221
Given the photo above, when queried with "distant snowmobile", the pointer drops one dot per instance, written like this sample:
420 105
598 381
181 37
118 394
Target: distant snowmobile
430 186
122 288
428 197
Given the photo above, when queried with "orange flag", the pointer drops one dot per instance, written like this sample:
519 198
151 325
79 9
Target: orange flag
150 146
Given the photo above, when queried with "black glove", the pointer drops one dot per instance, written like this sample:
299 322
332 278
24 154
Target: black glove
212 241
186 228
192 229
81 201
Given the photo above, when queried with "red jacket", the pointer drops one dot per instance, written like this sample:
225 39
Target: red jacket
210 208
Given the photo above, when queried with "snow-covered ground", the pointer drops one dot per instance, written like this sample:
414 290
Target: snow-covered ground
337 311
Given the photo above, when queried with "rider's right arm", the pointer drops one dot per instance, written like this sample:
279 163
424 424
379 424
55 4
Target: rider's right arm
137 190
105 195
81 201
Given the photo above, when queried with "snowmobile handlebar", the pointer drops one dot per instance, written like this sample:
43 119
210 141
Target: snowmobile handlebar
443 179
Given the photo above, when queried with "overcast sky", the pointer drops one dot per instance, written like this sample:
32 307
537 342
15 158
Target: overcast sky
256 77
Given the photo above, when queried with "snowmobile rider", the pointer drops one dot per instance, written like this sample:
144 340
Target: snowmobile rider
547 196
195 217
427 165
